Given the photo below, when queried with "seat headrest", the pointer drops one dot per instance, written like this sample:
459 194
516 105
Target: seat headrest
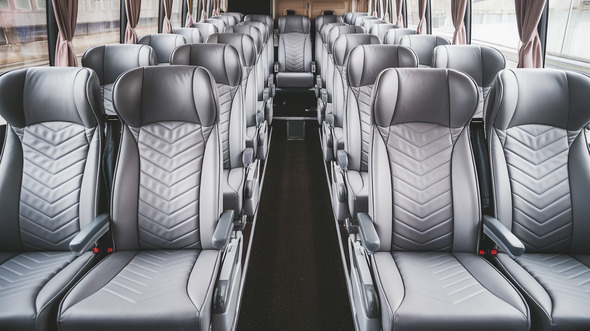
225 19
263 28
354 16
163 44
347 17
393 36
266 19
47 94
191 35
238 16
346 43
381 29
244 44
172 93
482 63
539 96
206 29
338 31
321 20
325 31
220 24
250 31
222 61
294 24
423 45
441 96
365 62
360 19
109 61
368 24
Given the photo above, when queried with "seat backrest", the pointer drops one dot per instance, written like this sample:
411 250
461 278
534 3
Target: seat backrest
347 17
359 20
110 61
540 163
482 63
365 62
263 28
50 165
354 16
266 19
152 208
250 31
220 24
320 21
163 44
368 24
191 35
393 36
294 44
423 45
238 16
380 30
267 35
228 20
423 184
206 29
223 62
325 35
338 31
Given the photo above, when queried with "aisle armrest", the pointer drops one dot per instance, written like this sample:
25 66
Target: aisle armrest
90 234
369 237
502 237
223 230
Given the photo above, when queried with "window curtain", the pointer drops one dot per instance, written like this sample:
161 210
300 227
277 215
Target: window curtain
66 15
528 15
386 15
132 10
167 26
422 14
399 21
203 11
458 14
216 11
189 14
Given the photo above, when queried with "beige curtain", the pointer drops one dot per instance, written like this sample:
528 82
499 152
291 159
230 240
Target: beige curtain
203 11
167 26
458 14
189 14
398 12
66 15
528 15
422 14
132 11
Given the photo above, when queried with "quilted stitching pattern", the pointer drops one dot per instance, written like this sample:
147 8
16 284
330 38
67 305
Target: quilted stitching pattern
54 160
566 279
536 156
363 98
151 276
420 161
171 155
107 97
25 274
294 51
438 276
226 96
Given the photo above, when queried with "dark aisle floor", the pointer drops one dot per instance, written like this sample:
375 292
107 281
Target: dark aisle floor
295 278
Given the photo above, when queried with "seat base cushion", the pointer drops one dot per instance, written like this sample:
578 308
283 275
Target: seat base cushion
32 283
295 79
557 288
144 290
445 291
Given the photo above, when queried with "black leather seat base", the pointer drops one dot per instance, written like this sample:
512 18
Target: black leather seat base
556 286
295 79
147 290
445 291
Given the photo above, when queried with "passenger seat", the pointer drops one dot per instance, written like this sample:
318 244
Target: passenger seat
424 46
163 45
191 35
206 29
294 68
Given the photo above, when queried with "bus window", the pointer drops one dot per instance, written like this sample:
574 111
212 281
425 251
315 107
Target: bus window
98 24
442 21
494 24
567 35
148 18
23 34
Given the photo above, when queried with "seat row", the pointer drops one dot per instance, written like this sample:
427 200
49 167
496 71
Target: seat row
407 185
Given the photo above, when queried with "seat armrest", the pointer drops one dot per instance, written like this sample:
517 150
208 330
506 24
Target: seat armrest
369 237
313 67
90 234
247 156
223 230
342 160
275 67
500 235
330 119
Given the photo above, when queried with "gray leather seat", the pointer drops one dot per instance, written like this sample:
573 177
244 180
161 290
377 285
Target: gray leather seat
238 16
346 17
270 25
380 30
191 35
364 64
110 61
359 20
482 63
424 46
353 16
393 36
369 24
320 21
206 29
49 186
170 236
295 54
239 166
219 23
163 45
421 232
535 121
325 35
229 20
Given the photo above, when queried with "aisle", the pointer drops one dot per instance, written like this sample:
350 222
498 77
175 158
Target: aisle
295 278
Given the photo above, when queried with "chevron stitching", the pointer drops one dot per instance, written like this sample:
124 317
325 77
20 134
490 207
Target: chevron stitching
562 276
420 156
226 96
151 275
294 51
536 156
55 156
363 98
171 155
25 274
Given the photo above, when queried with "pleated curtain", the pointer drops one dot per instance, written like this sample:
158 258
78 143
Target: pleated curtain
422 15
528 15
66 15
132 11
458 8
167 26
189 14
